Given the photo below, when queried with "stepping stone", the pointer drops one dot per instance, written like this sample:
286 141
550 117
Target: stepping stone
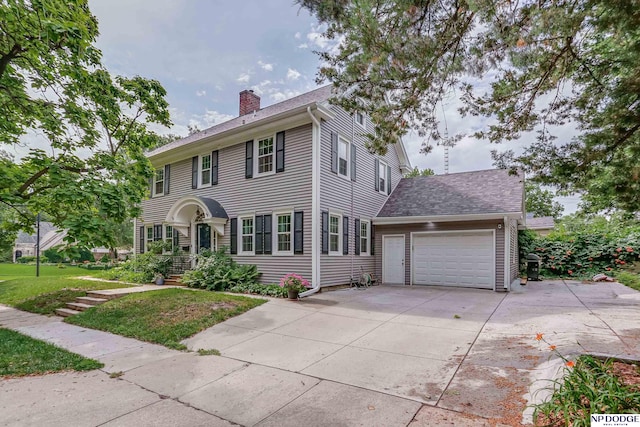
91 300
79 306
66 312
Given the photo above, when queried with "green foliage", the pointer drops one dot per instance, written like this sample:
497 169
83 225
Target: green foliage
26 259
259 289
415 172
21 355
597 245
548 63
628 279
94 172
53 255
49 302
164 317
217 271
105 258
590 387
540 202
142 268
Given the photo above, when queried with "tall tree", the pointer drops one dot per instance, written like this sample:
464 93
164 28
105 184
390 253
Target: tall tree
540 201
549 62
93 172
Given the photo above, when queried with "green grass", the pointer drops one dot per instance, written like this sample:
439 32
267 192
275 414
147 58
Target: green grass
629 279
590 387
43 295
8 271
21 355
164 317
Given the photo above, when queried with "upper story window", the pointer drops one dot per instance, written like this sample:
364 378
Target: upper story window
364 237
284 233
158 182
382 177
205 170
334 234
265 155
246 235
343 157
359 119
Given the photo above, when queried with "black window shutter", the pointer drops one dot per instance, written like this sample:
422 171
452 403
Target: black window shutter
334 152
259 235
233 236
357 235
280 152
353 162
248 166
142 239
176 238
214 167
345 235
157 232
376 173
267 235
372 240
388 179
298 235
194 172
167 173
325 232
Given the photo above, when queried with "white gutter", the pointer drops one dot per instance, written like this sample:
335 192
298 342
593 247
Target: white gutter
315 205
444 218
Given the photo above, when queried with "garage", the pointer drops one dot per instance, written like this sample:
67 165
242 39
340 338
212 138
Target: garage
461 258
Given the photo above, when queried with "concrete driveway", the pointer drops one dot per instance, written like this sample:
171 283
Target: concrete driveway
382 356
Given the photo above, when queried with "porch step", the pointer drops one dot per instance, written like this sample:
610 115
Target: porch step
104 295
66 312
174 280
91 300
79 306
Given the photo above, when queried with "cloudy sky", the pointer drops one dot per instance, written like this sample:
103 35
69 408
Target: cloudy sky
205 52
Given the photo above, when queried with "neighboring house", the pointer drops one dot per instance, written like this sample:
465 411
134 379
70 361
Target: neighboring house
542 225
292 188
26 243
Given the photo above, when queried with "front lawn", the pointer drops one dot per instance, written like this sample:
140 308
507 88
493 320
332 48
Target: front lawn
21 355
629 279
9 270
43 295
164 317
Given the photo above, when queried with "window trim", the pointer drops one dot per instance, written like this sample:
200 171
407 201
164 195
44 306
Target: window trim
241 234
256 156
156 181
347 175
274 233
148 230
200 170
382 188
363 125
366 252
339 251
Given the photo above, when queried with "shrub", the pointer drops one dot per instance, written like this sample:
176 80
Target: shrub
141 268
216 271
105 258
26 259
53 255
260 289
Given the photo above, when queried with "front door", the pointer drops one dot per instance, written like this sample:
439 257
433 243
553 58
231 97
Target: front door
203 237
393 259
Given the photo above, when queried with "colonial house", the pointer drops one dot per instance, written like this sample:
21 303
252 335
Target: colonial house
292 188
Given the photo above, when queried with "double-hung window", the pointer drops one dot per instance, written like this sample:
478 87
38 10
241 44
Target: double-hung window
343 158
382 177
359 119
168 236
205 170
265 155
335 233
247 228
158 182
284 233
364 237
149 236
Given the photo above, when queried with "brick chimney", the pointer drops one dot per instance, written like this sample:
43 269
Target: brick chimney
249 102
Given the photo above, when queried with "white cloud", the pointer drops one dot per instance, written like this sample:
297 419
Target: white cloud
208 119
293 74
298 35
284 94
201 92
243 78
265 66
303 46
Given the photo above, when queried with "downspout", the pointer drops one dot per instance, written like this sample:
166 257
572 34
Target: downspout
315 205
507 253
135 241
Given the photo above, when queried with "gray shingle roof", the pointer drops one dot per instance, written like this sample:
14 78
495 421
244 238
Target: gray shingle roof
466 193
541 223
317 95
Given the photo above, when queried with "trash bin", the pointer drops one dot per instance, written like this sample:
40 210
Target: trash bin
533 267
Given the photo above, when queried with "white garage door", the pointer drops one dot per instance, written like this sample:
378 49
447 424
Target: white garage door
454 259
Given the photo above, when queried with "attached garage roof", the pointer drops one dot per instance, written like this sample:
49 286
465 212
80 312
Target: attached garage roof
495 191
541 223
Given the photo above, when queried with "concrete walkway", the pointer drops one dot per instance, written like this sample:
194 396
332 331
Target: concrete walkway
381 356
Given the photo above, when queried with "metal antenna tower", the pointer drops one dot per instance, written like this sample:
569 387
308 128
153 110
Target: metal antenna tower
446 141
